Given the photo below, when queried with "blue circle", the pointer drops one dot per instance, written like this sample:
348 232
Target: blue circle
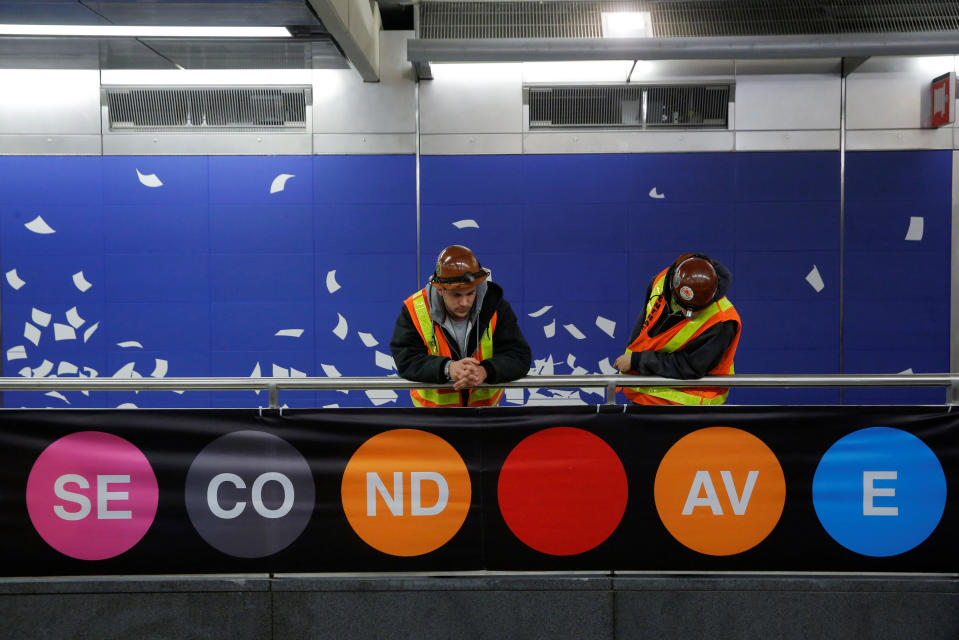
879 491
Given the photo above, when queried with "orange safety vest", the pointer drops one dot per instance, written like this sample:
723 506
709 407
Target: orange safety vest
435 340
674 339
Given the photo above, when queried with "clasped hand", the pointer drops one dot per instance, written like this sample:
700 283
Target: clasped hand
624 362
466 373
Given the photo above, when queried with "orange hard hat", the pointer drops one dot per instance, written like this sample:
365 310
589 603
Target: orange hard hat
694 282
457 268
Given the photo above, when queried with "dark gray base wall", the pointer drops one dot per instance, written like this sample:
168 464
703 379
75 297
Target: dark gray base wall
470 607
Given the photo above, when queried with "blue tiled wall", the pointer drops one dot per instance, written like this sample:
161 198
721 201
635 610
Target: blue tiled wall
897 291
204 270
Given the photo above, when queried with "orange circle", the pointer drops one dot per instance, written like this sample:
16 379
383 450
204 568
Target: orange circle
406 492
720 491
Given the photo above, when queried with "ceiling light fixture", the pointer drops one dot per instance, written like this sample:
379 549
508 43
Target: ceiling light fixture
113 31
627 24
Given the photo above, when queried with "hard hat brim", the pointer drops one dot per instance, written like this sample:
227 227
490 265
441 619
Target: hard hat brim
464 281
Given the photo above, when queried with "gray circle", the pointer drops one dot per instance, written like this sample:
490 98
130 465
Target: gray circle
249 494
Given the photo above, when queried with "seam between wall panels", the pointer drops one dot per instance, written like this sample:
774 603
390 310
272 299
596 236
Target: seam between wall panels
953 394
842 219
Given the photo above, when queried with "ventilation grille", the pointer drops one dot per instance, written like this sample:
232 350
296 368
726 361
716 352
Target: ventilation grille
800 17
573 19
205 109
629 107
683 18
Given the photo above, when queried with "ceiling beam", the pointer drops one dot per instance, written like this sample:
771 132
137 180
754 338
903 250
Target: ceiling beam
355 26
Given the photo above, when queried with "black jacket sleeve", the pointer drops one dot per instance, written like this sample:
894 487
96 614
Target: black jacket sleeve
511 353
694 360
413 360
697 358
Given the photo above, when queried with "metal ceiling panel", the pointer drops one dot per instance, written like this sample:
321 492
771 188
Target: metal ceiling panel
235 54
130 53
158 12
220 13
47 12
49 53
314 48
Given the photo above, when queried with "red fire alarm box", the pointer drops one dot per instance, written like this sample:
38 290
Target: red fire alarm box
943 99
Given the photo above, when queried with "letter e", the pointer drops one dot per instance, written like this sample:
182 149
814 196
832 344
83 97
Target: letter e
104 495
869 492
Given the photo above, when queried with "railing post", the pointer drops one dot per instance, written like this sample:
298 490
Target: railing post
611 393
274 396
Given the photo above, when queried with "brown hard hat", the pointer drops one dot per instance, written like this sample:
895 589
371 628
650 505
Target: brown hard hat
694 282
457 268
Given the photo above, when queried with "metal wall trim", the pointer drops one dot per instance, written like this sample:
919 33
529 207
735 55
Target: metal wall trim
206 144
953 393
57 144
419 278
358 144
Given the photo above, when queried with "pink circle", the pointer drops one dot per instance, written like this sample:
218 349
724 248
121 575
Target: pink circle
92 495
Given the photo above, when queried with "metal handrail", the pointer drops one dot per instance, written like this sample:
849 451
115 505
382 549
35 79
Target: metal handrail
609 382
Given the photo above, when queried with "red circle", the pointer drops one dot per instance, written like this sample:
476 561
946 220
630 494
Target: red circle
562 491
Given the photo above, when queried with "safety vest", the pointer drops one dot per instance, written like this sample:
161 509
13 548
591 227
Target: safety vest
674 339
419 308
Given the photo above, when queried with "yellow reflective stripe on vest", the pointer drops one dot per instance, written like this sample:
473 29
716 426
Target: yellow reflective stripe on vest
486 344
691 327
482 395
678 396
656 291
448 397
430 397
426 323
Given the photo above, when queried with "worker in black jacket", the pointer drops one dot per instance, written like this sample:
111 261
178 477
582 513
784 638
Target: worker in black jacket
689 329
459 329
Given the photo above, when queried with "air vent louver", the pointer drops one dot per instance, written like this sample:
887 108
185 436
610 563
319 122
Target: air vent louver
629 107
546 19
204 109
681 18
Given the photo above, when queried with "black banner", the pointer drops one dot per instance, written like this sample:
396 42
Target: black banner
861 489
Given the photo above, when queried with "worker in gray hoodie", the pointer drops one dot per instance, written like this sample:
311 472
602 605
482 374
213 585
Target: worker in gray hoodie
459 329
